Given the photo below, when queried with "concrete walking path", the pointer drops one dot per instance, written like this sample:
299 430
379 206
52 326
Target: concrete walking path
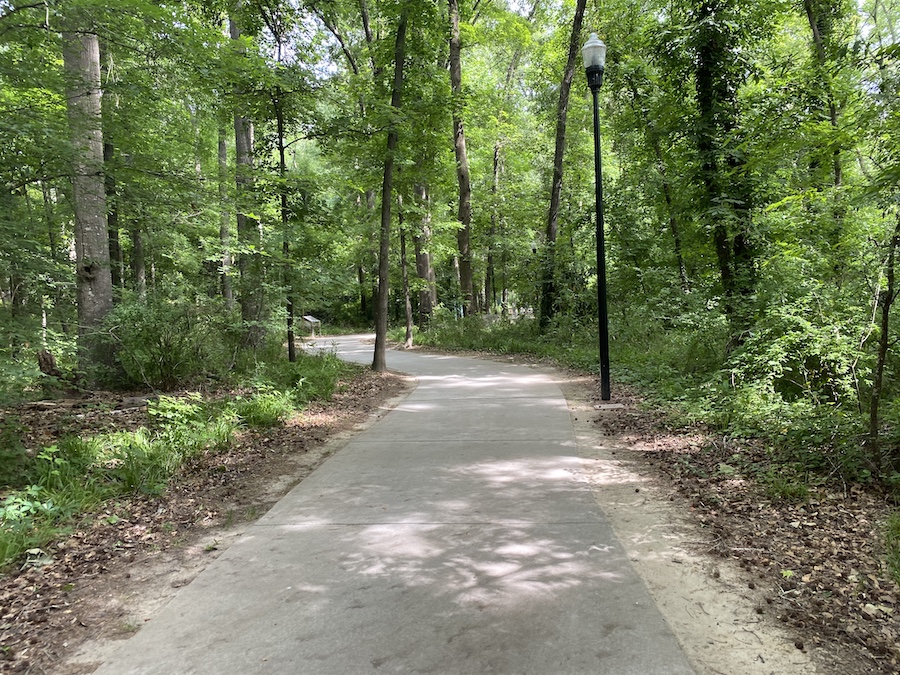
456 535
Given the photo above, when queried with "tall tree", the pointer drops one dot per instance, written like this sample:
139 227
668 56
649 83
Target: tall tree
250 262
548 285
464 181
81 59
727 213
379 363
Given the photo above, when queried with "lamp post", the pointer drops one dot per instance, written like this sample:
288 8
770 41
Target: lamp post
594 55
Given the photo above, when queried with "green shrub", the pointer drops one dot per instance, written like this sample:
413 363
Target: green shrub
16 466
891 535
264 409
164 344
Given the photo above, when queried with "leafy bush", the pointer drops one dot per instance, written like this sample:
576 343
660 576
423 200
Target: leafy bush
164 344
311 377
892 544
799 359
16 467
264 409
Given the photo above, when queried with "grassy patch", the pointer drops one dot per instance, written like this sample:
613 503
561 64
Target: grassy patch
43 497
892 544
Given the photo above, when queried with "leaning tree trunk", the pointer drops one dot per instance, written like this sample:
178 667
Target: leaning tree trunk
381 310
548 285
81 62
464 234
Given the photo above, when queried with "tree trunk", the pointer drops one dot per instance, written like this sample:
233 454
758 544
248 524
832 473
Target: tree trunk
548 284
424 267
250 264
718 111
464 215
886 300
379 363
224 222
673 221
285 225
490 286
81 62
112 217
404 270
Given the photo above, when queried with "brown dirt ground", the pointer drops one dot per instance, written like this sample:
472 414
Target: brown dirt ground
751 585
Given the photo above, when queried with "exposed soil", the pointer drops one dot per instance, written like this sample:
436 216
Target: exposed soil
751 585
66 605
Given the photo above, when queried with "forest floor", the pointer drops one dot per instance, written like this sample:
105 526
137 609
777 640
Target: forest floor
808 576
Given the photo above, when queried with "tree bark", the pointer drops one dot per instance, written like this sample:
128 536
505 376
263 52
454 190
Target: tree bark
112 217
718 112
548 284
424 267
224 222
379 363
250 263
404 270
886 300
81 62
464 214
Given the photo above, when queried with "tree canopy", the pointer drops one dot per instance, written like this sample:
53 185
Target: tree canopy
195 175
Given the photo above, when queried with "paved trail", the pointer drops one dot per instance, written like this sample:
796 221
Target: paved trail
454 536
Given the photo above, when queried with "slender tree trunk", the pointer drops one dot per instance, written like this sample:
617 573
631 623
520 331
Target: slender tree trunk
112 217
379 363
250 264
464 215
548 284
285 225
673 221
138 261
886 300
224 222
820 23
363 296
81 62
424 267
404 270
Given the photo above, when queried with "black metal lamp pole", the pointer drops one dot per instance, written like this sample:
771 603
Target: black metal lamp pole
594 53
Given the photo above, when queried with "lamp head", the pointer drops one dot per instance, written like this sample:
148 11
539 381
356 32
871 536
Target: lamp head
594 55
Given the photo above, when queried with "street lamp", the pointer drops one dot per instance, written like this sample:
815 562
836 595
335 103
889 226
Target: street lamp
594 55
